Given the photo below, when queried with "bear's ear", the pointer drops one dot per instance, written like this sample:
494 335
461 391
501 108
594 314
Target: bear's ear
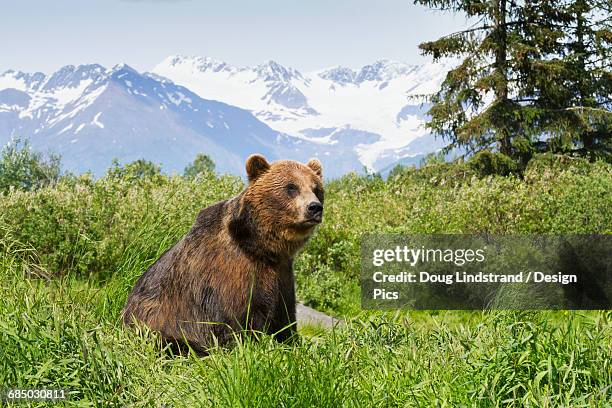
315 165
256 165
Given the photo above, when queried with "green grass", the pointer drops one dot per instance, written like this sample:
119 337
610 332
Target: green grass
53 336
69 255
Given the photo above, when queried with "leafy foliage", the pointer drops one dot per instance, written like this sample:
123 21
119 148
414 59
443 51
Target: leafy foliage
21 168
84 227
136 170
487 163
202 164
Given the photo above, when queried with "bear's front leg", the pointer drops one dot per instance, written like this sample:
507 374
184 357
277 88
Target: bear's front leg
284 324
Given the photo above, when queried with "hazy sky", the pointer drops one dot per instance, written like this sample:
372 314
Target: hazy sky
307 34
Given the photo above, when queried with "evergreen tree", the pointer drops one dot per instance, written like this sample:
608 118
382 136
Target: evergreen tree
588 63
473 109
564 72
532 74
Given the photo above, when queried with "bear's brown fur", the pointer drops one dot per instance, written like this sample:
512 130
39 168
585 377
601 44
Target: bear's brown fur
233 271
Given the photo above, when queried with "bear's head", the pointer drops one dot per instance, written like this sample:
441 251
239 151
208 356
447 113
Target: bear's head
283 202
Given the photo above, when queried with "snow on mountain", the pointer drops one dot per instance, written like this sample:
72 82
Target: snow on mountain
348 118
20 80
90 115
381 99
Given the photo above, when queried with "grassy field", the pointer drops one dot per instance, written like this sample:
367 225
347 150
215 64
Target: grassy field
70 253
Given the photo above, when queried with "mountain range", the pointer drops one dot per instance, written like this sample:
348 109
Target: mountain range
350 119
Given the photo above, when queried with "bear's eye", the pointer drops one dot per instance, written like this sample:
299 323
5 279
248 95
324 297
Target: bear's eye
292 190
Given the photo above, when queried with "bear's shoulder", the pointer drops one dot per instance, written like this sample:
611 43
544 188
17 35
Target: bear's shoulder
210 219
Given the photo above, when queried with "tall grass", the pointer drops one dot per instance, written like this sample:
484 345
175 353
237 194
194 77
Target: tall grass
53 336
69 255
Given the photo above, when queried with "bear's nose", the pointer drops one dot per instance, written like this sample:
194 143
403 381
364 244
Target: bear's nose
315 208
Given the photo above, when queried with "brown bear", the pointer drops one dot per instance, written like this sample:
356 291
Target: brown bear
233 271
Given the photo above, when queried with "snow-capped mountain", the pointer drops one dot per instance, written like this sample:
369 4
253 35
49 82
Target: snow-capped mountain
337 104
348 118
90 115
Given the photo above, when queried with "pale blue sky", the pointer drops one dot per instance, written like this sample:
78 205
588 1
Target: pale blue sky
44 35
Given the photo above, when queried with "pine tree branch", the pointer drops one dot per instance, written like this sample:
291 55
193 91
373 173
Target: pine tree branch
582 109
481 28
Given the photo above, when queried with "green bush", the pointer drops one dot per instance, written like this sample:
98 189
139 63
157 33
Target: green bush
137 170
202 164
84 226
487 163
23 169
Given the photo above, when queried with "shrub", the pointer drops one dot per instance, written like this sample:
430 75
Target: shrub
85 227
23 169
202 164
136 170
487 163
